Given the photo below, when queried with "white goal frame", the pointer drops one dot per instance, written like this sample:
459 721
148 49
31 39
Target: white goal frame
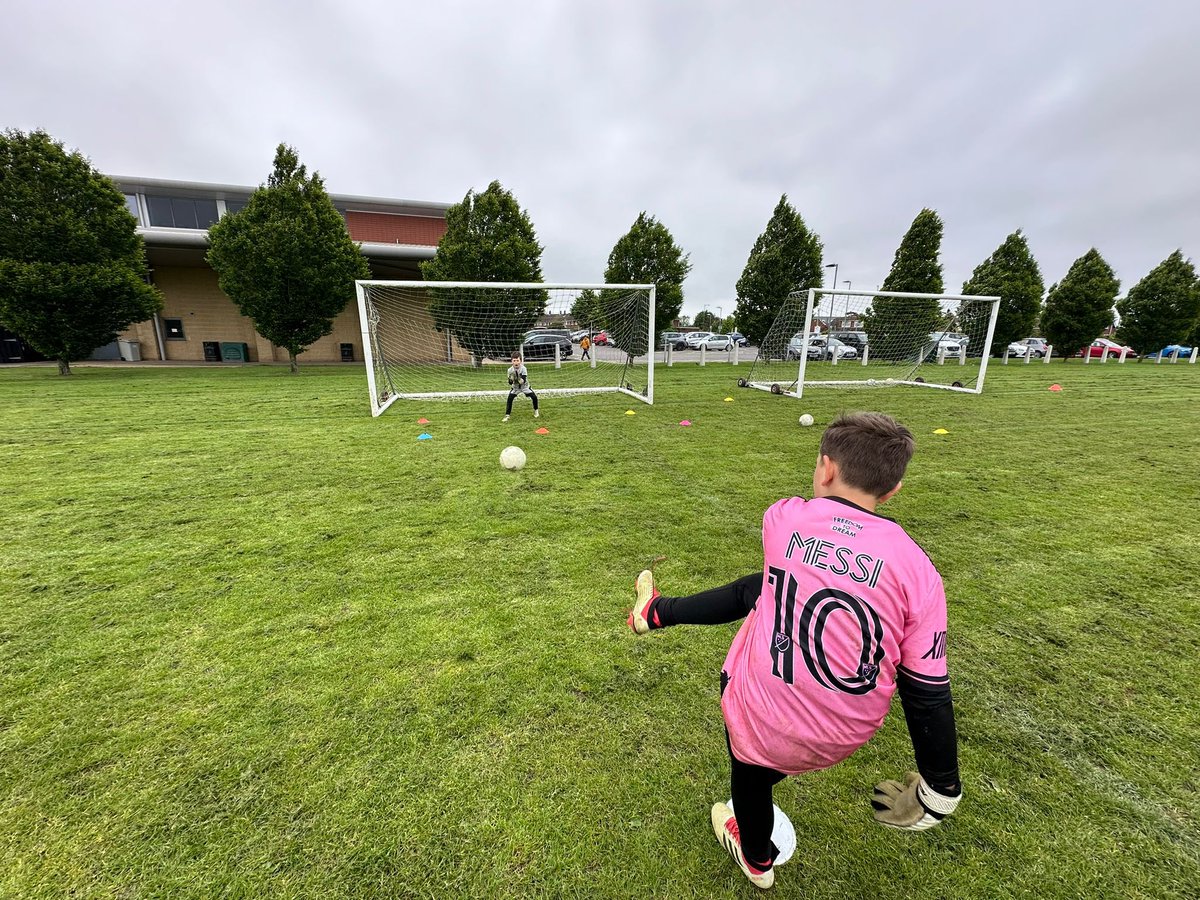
775 387
368 340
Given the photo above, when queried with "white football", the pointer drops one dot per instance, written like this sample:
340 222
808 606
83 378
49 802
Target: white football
512 458
806 420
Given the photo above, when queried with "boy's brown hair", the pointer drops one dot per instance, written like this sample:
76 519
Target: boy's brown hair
871 450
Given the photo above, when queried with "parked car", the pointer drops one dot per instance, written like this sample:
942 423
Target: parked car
673 339
797 345
600 337
856 339
693 338
715 342
1099 345
941 344
579 335
1020 349
1037 345
826 348
541 346
563 333
738 338
1168 351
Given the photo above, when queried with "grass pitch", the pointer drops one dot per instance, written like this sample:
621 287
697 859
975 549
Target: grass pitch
254 643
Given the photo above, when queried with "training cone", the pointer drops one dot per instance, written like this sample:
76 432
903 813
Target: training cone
422 421
1056 388
940 431
425 436
728 399
686 423
542 431
630 412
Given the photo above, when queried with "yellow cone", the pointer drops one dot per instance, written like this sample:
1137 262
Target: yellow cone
728 399
940 431
630 412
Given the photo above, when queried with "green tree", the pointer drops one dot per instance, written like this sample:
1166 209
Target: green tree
586 309
785 258
286 260
1161 309
488 238
1012 274
706 320
72 267
898 327
1080 306
647 254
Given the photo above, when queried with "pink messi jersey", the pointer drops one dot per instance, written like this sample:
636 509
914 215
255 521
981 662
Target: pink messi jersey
848 601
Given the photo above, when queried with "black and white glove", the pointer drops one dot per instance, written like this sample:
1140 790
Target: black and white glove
912 806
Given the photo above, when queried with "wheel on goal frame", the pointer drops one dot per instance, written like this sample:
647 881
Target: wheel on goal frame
776 389
742 382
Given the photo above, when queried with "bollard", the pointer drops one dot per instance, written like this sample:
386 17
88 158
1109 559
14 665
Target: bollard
866 353
703 350
557 355
734 360
1122 359
1049 353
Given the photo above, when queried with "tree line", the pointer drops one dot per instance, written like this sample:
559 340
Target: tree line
73 271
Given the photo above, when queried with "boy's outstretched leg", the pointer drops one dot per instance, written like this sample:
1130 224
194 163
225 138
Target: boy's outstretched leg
714 607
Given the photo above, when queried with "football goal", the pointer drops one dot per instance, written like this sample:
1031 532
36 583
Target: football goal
831 338
425 340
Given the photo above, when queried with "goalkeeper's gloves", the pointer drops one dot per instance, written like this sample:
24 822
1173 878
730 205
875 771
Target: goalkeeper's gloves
912 806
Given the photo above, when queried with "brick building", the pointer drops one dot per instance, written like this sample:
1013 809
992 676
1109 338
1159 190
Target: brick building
199 323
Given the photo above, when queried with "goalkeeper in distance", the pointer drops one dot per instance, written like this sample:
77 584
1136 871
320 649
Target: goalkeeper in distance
846 610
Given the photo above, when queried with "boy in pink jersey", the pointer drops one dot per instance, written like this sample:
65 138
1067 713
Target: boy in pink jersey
847 610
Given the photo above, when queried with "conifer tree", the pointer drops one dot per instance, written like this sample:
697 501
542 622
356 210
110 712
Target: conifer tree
647 254
1012 274
899 327
1161 309
1080 306
785 258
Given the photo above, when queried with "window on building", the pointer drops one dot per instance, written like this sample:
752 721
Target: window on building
181 212
174 328
131 204
234 206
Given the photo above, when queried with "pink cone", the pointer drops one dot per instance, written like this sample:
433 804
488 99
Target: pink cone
1056 387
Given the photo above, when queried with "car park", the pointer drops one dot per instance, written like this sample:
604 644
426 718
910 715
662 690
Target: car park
715 342
693 338
541 346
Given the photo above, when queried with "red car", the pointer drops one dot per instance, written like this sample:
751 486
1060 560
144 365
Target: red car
1099 345
600 337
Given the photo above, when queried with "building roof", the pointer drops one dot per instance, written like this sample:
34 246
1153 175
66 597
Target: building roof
214 191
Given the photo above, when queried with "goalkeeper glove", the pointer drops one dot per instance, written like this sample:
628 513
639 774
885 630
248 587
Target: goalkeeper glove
912 806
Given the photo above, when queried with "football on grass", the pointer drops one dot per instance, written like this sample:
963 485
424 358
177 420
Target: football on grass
512 458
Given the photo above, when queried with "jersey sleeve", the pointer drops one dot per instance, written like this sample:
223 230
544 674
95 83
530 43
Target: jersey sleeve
923 645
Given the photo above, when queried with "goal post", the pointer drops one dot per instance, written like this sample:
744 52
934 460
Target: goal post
438 340
841 338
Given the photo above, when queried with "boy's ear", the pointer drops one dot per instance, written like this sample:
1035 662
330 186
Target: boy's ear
828 469
892 493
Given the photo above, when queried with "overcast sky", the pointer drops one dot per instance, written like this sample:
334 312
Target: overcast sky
1075 120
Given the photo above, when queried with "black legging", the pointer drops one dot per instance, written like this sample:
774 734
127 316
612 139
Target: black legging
750 786
512 395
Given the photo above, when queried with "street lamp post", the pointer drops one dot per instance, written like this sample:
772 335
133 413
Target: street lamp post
847 284
833 266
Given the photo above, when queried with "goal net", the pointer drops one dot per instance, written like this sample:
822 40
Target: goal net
877 338
427 340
